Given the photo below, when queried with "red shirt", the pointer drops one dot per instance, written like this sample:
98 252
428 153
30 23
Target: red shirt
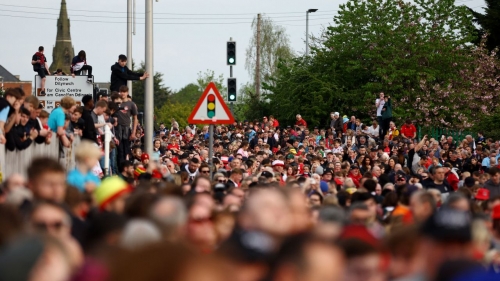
301 122
452 180
408 131
276 123
173 146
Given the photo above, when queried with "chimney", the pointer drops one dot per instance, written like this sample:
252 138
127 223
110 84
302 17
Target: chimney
17 77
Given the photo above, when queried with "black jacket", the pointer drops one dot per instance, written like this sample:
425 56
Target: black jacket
15 138
89 132
33 123
120 76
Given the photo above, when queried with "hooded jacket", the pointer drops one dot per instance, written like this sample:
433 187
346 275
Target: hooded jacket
120 76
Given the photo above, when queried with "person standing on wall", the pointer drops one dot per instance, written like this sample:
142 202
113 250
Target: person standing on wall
386 116
379 104
40 65
120 74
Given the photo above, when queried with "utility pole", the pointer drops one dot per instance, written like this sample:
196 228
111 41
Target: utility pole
130 12
257 63
149 85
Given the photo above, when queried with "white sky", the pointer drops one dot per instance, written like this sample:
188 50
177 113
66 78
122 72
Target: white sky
181 50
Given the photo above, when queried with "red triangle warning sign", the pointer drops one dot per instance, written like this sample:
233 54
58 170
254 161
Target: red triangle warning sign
211 108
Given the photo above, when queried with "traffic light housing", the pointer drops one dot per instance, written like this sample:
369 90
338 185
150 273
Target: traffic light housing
231 89
231 53
211 105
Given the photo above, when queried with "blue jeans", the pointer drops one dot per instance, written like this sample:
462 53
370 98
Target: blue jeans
112 162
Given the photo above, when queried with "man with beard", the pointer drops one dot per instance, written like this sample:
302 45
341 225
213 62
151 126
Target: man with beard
127 171
192 168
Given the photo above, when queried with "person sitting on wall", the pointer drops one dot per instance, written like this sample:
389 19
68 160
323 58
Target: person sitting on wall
79 64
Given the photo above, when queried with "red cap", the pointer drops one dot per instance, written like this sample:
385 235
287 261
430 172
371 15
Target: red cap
144 156
495 214
483 194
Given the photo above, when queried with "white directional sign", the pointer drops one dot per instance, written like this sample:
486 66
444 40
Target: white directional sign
57 87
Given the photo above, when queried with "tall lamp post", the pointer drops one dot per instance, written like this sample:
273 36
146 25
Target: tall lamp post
307 29
149 86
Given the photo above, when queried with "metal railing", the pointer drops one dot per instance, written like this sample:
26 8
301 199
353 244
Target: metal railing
17 161
436 133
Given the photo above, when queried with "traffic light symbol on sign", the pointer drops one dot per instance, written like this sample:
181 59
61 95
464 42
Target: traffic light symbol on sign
211 105
231 53
231 89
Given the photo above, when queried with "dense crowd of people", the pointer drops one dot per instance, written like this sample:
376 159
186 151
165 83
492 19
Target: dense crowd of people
351 201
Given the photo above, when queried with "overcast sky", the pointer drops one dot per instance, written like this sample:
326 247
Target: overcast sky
183 47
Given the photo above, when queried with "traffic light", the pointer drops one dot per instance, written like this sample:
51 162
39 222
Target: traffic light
231 53
231 89
211 105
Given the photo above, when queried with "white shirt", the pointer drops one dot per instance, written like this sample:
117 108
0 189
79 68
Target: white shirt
374 132
380 106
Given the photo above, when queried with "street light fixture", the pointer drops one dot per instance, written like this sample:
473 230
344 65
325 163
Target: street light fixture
307 29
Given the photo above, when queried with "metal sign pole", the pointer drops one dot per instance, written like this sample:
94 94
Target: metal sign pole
211 150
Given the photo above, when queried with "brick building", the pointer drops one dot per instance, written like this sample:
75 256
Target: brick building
9 80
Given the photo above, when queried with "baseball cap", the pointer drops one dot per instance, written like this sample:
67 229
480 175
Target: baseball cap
290 156
482 194
449 224
278 163
354 167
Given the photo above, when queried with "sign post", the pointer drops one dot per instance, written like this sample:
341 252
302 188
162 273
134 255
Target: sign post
57 87
211 109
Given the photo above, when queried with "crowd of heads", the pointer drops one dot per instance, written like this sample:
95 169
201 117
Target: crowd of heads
274 203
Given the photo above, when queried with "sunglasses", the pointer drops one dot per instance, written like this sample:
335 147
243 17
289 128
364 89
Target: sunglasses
205 171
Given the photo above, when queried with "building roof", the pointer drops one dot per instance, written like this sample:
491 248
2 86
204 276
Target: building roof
7 76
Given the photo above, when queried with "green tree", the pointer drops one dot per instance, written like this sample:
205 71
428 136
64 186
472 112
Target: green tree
204 78
179 111
249 105
489 23
402 49
188 94
161 93
274 46
191 93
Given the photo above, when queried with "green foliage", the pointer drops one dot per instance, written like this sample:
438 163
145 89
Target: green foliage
249 106
489 125
489 23
191 93
402 49
161 93
179 111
